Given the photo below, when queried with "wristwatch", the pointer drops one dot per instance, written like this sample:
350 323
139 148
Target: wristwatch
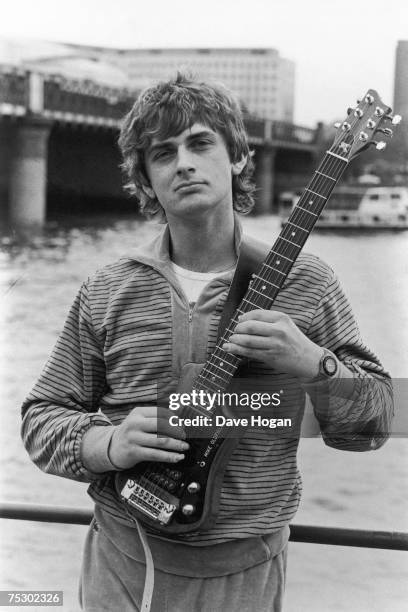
328 365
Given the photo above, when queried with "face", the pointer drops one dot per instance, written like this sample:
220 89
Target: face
191 173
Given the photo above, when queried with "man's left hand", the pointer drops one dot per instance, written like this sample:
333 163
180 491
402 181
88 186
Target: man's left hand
273 338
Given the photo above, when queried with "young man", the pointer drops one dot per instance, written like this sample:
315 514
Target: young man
141 324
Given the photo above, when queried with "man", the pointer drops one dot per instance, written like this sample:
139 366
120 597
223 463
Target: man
143 323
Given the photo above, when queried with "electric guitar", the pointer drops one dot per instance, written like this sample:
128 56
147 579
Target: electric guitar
184 498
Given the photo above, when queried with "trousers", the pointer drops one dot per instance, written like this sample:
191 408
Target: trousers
186 578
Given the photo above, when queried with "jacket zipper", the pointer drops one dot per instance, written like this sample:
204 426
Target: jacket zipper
190 313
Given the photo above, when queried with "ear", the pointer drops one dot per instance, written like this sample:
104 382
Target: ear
238 167
149 191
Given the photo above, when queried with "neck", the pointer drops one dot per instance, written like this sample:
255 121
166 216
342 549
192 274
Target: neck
204 244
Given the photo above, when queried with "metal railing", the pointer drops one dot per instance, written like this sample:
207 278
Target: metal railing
62 99
335 536
14 87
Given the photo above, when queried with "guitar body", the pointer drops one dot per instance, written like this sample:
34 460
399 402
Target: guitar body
184 497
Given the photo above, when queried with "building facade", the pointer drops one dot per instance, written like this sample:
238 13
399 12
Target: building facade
261 78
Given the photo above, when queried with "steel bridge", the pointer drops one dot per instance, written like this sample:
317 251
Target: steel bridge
57 136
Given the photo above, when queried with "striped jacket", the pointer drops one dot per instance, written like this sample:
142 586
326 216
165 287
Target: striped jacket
128 338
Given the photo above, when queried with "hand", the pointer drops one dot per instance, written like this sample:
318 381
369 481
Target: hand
273 338
137 439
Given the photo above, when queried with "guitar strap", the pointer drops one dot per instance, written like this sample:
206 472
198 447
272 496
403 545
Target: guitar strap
251 255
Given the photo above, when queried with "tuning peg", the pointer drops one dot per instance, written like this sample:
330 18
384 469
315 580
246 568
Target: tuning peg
386 131
337 124
380 146
350 110
395 120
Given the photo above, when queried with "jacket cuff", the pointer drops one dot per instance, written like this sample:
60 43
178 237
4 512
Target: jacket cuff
92 468
333 396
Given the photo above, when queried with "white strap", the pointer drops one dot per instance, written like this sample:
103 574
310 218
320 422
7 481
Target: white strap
149 577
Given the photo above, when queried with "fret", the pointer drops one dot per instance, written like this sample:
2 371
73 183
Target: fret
306 210
290 241
220 362
207 384
249 302
211 375
259 293
288 258
315 193
298 226
338 156
326 176
233 366
225 357
267 281
308 222
214 365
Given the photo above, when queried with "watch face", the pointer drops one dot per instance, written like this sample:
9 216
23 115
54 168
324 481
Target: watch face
329 365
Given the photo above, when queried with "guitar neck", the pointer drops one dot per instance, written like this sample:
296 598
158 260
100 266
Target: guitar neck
220 368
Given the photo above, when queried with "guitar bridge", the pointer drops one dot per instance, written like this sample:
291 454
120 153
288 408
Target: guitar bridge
147 503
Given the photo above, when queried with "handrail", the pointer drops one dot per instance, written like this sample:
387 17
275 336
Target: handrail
390 540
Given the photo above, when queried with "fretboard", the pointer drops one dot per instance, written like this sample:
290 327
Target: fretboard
219 369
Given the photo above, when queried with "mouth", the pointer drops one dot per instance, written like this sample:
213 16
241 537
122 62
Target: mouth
186 186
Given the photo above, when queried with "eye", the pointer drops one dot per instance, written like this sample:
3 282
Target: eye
162 154
202 142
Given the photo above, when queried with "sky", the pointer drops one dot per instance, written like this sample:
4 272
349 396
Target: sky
340 48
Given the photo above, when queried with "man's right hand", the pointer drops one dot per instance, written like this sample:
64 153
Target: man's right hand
146 435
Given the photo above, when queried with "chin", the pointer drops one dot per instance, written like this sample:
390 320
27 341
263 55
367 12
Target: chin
196 206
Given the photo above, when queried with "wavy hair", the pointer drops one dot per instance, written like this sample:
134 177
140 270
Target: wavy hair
167 109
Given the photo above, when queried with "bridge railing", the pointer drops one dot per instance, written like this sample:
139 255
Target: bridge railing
14 87
284 132
390 540
86 98
58 98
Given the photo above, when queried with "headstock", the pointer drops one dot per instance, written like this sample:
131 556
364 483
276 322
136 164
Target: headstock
356 133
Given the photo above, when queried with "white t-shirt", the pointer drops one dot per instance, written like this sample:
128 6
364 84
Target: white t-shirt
193 283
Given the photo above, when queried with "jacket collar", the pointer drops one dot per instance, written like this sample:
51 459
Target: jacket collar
156 253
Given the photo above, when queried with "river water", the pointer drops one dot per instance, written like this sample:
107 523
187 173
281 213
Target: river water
39 276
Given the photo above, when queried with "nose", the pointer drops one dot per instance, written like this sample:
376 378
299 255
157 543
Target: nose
185 161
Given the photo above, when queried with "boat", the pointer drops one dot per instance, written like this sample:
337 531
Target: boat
358 207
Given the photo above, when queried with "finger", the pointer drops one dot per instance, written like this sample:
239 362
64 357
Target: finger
271 316
173 431
154 454
243 351
258 328
251 341
147 440
158 426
